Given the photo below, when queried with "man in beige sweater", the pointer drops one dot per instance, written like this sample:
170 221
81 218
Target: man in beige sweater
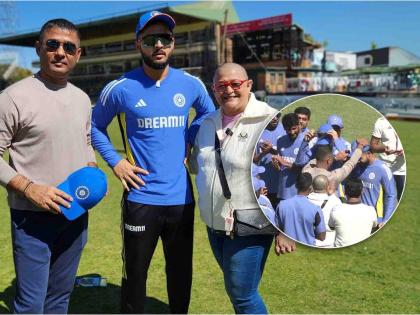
324 159
45 126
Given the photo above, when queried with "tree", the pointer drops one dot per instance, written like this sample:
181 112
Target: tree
373 45
17 75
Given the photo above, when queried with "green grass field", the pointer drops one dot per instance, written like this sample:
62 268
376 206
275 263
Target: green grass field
379 275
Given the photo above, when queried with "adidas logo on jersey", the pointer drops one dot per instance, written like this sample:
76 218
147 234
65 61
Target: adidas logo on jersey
140 103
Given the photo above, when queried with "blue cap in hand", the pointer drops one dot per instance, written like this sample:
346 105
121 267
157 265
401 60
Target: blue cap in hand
87 186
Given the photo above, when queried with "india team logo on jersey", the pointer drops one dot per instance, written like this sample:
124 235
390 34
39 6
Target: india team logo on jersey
179 100
82 192
296 151
371 175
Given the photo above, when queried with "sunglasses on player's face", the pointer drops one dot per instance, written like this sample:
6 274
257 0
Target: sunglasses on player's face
53 45
151 40
221 86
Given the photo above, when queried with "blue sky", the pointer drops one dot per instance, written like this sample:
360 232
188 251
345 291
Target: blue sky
347 26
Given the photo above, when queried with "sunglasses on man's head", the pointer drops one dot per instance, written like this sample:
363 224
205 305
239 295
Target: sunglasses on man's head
151 40
223 85
69 47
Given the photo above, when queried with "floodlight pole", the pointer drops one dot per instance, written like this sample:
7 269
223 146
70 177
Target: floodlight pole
223 52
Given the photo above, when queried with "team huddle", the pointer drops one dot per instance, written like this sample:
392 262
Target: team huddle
322 190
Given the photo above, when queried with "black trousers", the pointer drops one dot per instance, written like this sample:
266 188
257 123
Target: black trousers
142 225
399 182
273 199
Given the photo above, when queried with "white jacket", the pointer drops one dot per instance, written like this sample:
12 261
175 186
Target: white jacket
236 152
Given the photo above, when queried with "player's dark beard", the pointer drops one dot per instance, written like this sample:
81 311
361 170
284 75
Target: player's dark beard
292 137
154 65
364 163
271 126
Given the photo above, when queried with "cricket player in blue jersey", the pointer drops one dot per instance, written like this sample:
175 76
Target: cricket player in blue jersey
304 115
152 104
266 147
288 148
328 134
340 143
298 217
379 190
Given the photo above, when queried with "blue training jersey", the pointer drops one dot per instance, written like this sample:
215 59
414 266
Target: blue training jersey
288 149
153 117
379 190
300 219
307 152
271 175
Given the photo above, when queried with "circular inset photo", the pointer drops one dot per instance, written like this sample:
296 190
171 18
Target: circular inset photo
328 170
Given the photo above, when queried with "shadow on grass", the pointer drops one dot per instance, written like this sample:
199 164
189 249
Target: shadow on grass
106 300
93 300
7 298
155 306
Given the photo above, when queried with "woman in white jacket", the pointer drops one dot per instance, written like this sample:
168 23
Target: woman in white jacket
238 124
